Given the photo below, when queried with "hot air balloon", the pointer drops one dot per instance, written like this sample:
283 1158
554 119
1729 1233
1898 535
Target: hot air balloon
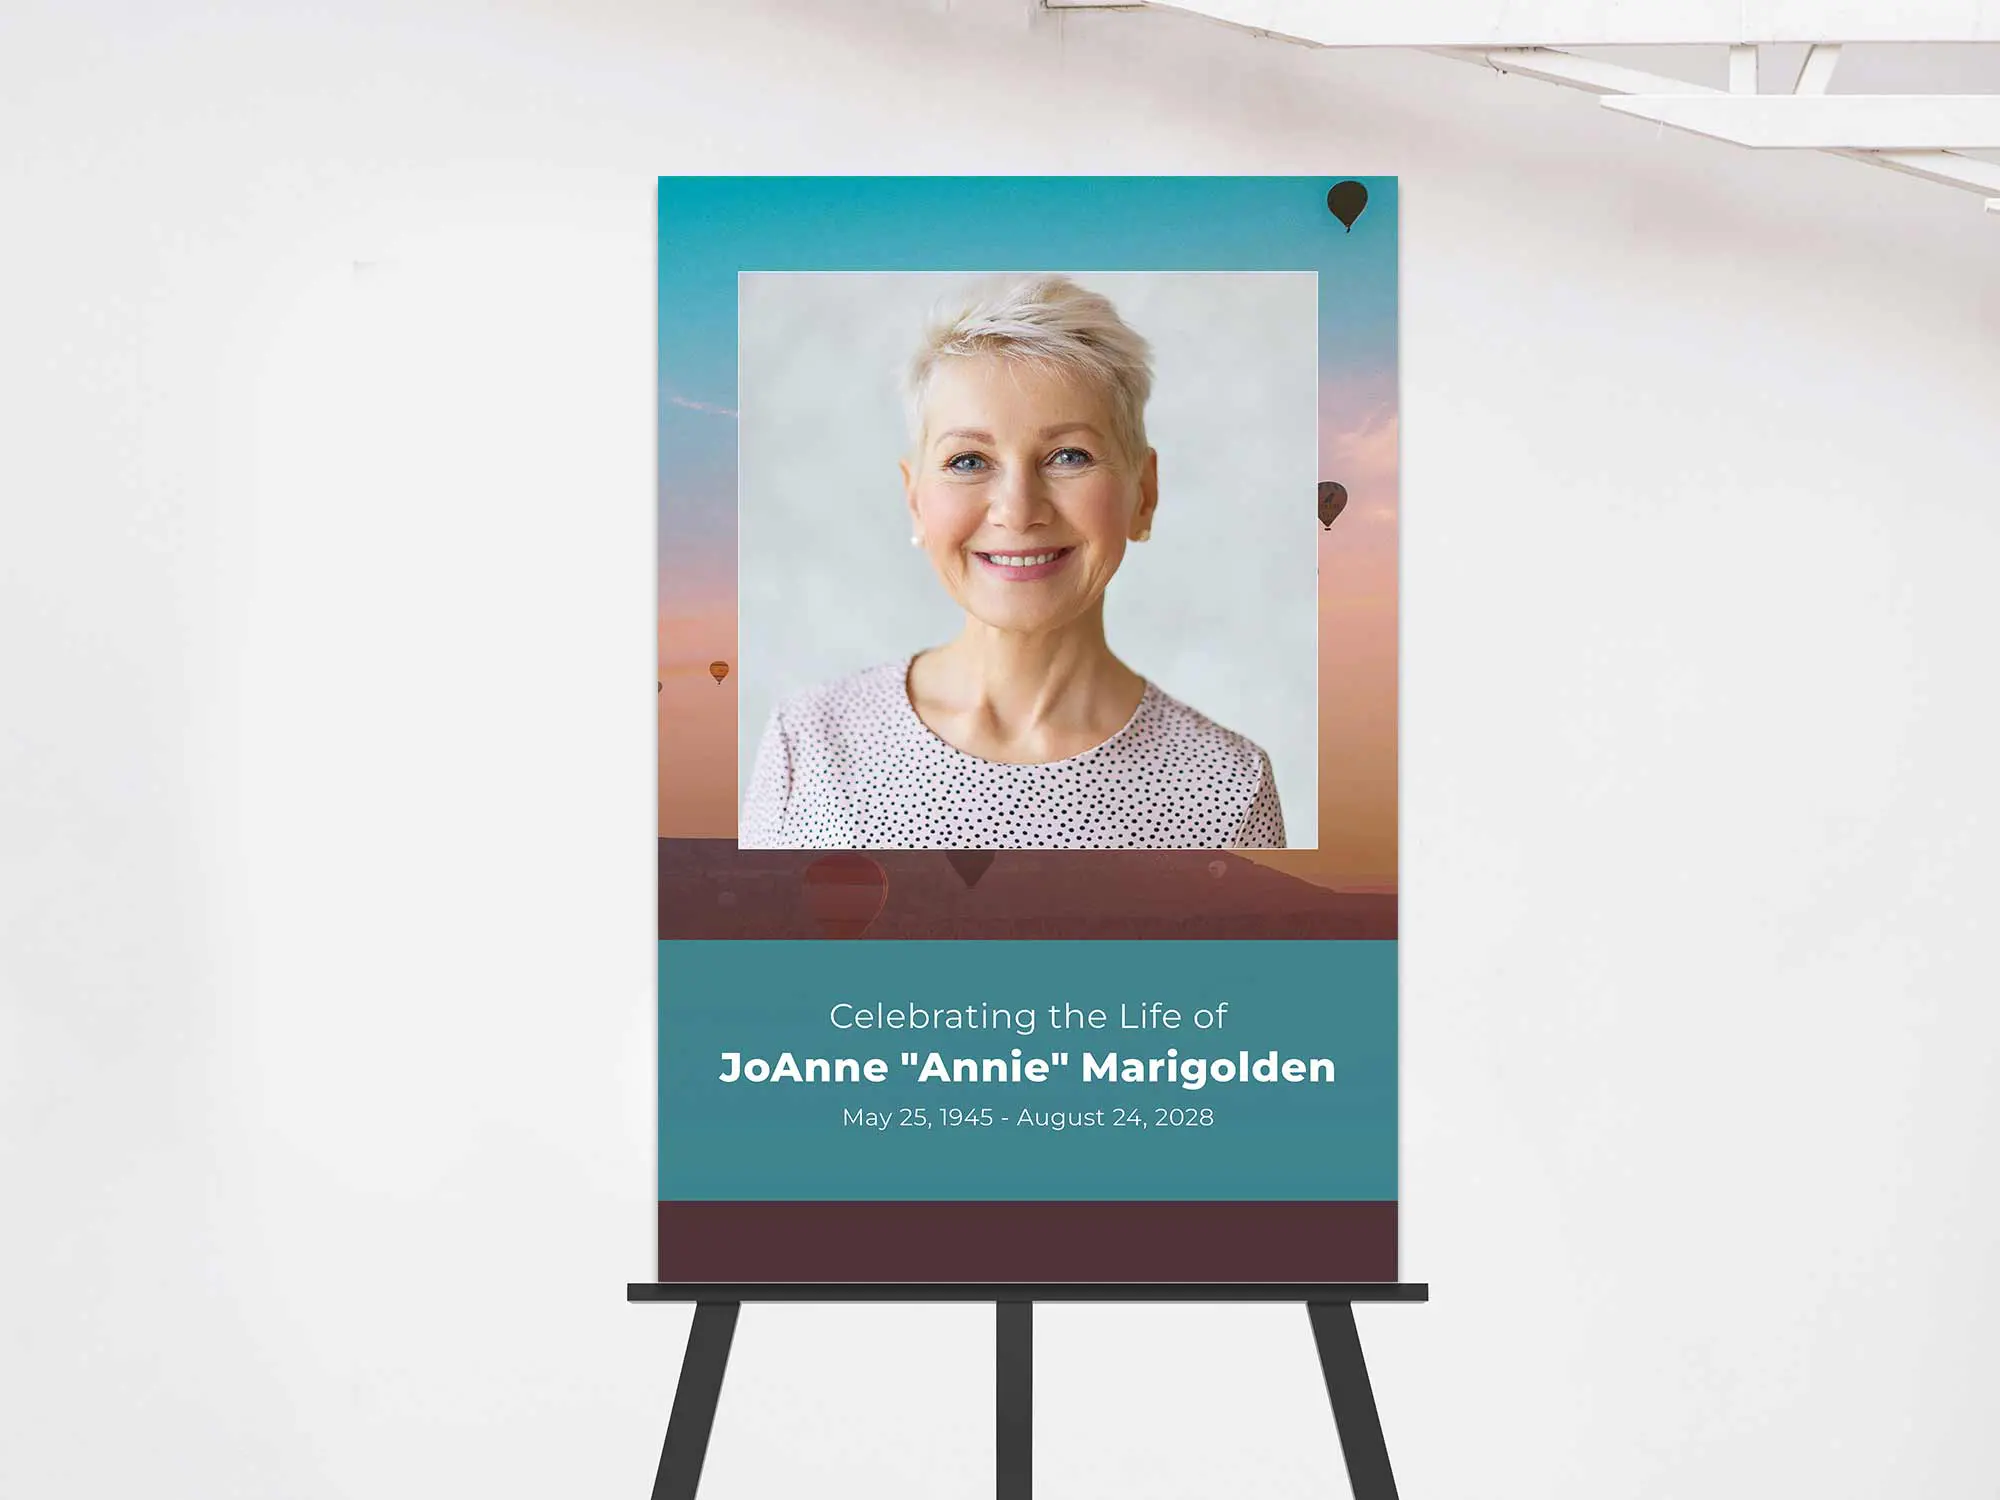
844 893
1332 501
1345 200
970 864
718 670
1218 868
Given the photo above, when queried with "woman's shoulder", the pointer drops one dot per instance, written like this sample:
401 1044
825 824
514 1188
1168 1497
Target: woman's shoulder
871 694
1180 729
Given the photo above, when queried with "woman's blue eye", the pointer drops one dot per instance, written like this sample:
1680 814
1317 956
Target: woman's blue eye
955 465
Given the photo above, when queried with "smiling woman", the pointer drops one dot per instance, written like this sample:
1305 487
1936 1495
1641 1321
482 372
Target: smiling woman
1028 478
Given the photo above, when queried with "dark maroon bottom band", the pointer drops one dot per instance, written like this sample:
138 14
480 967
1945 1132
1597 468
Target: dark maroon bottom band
1021 1242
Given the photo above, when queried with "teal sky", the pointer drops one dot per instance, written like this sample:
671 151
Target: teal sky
713 227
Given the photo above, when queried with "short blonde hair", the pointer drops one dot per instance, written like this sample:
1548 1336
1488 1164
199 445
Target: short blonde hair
1043 320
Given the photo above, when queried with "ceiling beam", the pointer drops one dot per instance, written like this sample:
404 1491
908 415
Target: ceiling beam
1816 72
1593 77
1742 69
1593 23
1655 96
1936 166
1587 74
1824 122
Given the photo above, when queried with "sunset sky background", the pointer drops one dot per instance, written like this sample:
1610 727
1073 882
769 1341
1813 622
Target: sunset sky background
712 228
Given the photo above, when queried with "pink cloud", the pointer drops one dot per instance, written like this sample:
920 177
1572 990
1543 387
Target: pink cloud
717 411
1362 456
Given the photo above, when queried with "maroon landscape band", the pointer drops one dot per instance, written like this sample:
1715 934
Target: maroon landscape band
1186 1241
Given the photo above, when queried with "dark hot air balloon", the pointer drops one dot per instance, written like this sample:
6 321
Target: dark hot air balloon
1332 501
1345 200
844 893
970 864
718 670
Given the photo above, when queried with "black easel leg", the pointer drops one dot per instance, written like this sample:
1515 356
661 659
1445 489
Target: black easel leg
694 1400
1353 1400
1014 1406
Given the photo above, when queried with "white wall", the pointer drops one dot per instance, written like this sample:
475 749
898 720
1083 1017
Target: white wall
325 779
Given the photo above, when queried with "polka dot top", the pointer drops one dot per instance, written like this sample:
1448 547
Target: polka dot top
850 765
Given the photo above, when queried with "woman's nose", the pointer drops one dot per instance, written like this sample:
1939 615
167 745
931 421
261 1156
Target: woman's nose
1019 498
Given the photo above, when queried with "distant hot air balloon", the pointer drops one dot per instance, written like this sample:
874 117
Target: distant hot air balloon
1332 501
970 864
845 893
1345 200
718 670
1218 868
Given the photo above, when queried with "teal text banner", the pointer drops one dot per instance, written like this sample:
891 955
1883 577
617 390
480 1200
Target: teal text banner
1086 1070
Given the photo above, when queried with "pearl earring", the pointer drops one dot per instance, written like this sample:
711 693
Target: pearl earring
916 541
1144 533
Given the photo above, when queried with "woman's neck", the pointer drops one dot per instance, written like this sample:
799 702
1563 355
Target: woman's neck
1010 696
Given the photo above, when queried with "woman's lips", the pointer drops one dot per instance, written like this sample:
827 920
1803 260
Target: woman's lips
1023 567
